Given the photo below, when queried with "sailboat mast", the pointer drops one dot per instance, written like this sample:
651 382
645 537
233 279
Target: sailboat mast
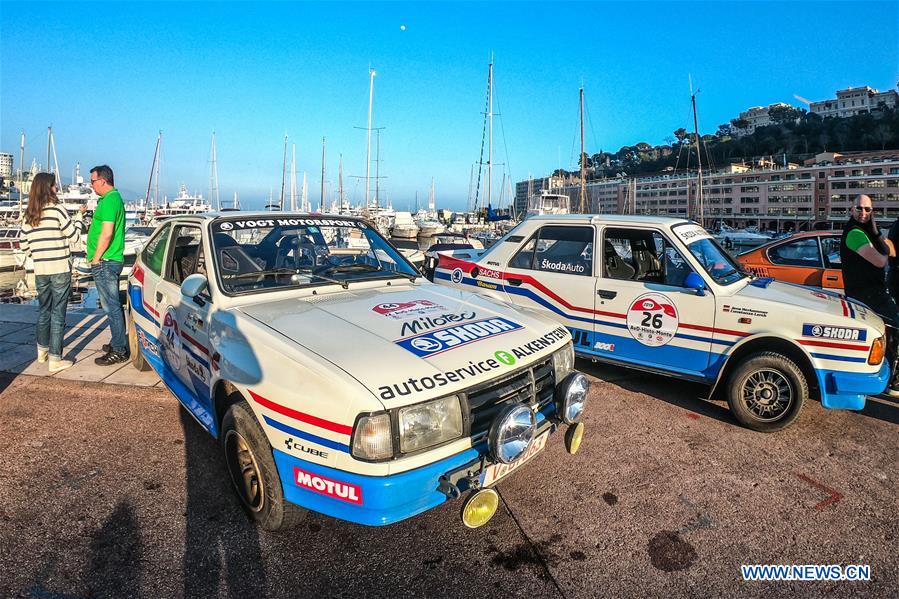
340 182
371 93
21 169
490 138
583 202
153 169
304 197
55 162
283 175
293 180
214 178
321 207
49 136
158 161
377 169
698 155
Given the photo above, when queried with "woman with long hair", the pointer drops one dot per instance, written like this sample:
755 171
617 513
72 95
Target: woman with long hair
48 236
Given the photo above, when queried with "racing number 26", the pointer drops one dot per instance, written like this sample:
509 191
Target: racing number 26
653 321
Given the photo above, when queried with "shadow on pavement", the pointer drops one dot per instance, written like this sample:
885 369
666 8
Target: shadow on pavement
683 394
116 551
220 541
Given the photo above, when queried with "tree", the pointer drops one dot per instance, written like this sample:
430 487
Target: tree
725 130
783 114
681 135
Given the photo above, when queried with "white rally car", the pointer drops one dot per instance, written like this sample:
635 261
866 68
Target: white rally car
336 377
661 295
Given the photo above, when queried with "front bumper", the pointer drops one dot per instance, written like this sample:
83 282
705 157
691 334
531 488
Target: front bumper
842 390
381 500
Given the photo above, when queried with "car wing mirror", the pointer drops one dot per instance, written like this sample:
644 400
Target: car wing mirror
692 281
193 286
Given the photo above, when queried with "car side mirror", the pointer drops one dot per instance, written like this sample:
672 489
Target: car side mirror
193 286
692 281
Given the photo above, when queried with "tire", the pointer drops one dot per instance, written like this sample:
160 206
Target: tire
766 392
254 476
137 358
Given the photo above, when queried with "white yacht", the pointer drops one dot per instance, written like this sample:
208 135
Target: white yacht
404 226
184 203
547 202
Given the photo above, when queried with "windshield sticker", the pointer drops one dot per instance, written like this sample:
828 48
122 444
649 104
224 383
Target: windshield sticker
690 233
823 331
472 369
426 323
439 341
404 310
652 319
261 223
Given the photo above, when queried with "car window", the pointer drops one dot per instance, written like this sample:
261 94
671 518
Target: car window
186 257
153 255
565 249
642 255
830 246
799 252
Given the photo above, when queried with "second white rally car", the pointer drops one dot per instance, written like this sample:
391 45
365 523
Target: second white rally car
339 379
659 294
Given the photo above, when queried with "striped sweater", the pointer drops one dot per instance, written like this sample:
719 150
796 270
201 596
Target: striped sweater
51 242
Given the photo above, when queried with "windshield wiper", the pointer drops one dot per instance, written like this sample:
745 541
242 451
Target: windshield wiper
262 273
727 274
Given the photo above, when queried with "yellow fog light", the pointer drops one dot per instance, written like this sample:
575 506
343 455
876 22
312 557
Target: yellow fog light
573 437
876 354
479 508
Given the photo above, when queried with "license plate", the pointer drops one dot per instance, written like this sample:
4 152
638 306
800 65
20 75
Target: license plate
494 472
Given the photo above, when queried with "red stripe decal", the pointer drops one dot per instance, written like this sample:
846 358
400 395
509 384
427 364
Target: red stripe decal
834 345
151 309
319 422
195 343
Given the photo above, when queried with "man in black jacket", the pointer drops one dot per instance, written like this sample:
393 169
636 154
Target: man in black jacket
863 255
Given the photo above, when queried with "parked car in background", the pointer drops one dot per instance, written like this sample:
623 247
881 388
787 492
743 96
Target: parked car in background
811 259
338 378
660 294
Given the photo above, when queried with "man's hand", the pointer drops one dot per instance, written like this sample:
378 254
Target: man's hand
83 208
891 247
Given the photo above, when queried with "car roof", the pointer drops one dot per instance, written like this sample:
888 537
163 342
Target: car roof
611 218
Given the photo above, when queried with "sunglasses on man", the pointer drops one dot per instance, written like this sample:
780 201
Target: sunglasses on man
864 208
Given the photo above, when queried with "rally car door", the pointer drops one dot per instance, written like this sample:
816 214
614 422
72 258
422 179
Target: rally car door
645 314
144 279
554 271
184 325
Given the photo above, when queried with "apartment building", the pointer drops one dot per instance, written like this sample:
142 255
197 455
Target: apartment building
792 198
5 165
855 100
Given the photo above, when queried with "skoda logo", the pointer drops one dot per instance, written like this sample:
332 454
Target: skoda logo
426 344
226 226
817 330
457 275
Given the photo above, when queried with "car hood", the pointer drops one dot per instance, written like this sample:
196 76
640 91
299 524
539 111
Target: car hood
833 307
416 342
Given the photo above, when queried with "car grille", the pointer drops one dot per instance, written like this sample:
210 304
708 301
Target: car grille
535 384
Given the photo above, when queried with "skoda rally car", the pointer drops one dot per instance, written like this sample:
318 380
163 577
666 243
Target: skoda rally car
336 377
659 294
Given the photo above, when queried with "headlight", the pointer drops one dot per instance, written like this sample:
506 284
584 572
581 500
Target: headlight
563 362
512 433
876 354
430 423
372 439
572 394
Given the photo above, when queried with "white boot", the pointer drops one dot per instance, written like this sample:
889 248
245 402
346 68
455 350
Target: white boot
57 364
42 353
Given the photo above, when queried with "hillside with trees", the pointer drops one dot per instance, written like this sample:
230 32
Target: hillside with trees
796 135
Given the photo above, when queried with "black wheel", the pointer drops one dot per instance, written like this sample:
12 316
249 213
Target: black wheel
254 475
137 358
767 392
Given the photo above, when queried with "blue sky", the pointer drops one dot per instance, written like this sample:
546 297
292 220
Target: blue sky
109 76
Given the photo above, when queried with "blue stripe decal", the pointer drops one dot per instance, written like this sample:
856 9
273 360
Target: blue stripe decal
187 348
839 358
306 436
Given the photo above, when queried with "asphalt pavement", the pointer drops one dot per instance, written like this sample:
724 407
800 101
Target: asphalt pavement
113 491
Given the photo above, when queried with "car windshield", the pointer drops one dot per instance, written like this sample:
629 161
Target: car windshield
714 260
261 254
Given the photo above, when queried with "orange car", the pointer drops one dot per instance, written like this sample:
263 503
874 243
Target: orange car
811 259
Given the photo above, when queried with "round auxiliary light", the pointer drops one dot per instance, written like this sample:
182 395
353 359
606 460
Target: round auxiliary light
512 433
479 508
572 396
573 437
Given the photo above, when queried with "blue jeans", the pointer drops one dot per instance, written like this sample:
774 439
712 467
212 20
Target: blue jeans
106 276
53 293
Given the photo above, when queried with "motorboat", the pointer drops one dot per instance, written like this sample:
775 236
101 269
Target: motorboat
547 202
404 226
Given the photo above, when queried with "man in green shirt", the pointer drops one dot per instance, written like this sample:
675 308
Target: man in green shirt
106 253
